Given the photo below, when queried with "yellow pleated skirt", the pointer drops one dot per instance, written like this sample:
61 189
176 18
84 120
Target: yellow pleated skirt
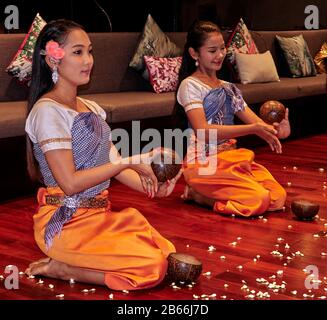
236 182
123 245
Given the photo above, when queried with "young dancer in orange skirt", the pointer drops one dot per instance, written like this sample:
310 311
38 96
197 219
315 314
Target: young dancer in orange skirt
216 173
70 148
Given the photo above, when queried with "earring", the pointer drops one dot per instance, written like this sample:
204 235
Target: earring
55 75
196 63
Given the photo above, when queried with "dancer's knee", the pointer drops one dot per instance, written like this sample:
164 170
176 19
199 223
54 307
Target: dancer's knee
280 199
263 201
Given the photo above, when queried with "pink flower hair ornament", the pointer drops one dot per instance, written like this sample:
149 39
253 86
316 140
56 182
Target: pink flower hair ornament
53 51
55 54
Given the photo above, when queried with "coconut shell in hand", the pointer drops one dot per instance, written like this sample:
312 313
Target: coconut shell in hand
166 165
272 111
183 267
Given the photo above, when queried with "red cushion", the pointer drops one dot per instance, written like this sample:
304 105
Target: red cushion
163 72
240 41
21 65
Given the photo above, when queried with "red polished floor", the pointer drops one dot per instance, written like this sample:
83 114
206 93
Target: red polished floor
261 258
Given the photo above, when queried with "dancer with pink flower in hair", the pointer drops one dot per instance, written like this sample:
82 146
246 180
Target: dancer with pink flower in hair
69 149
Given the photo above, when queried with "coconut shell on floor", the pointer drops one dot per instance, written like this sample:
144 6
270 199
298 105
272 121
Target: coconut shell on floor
166 165
183 267
304 209
272 111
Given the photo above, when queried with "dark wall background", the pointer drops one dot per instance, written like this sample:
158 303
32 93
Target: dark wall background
124 15
171 15
262 14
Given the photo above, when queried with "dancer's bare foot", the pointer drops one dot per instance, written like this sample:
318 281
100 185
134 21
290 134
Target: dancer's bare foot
47 267
188 193
191 194
55 269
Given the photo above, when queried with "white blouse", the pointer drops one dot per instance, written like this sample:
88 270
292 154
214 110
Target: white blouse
191 93
49 123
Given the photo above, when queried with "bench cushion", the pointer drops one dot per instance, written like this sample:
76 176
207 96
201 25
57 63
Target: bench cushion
286 88
12 118
119 107
134 105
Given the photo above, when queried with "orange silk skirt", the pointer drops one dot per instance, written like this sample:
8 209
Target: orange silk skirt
123 245
238 185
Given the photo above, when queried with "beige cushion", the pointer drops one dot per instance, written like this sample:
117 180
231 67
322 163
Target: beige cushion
256 68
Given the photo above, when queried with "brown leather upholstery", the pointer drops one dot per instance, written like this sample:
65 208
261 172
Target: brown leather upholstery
126 96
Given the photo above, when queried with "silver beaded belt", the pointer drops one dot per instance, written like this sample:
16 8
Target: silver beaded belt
76 203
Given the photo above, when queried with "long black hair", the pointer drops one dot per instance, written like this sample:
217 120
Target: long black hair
41 82
196 36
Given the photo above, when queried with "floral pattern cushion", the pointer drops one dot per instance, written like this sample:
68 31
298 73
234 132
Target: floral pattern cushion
21 65
242 42
298 57
154 42
163 72
321 59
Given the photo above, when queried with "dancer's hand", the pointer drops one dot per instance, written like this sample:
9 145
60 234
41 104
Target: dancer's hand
269 134
142 165
166 188
283 128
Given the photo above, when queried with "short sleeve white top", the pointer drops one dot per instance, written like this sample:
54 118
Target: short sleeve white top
49 123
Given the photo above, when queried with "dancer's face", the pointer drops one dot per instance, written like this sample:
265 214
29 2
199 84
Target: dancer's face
76 66
212 53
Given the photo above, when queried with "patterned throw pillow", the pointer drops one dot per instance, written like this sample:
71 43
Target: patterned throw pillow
242 42
21 65
298 57
154 42
163 72
321 59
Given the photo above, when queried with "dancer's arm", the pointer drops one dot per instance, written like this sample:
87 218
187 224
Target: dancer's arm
283 128
132 179
72 181
266 132
248 116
